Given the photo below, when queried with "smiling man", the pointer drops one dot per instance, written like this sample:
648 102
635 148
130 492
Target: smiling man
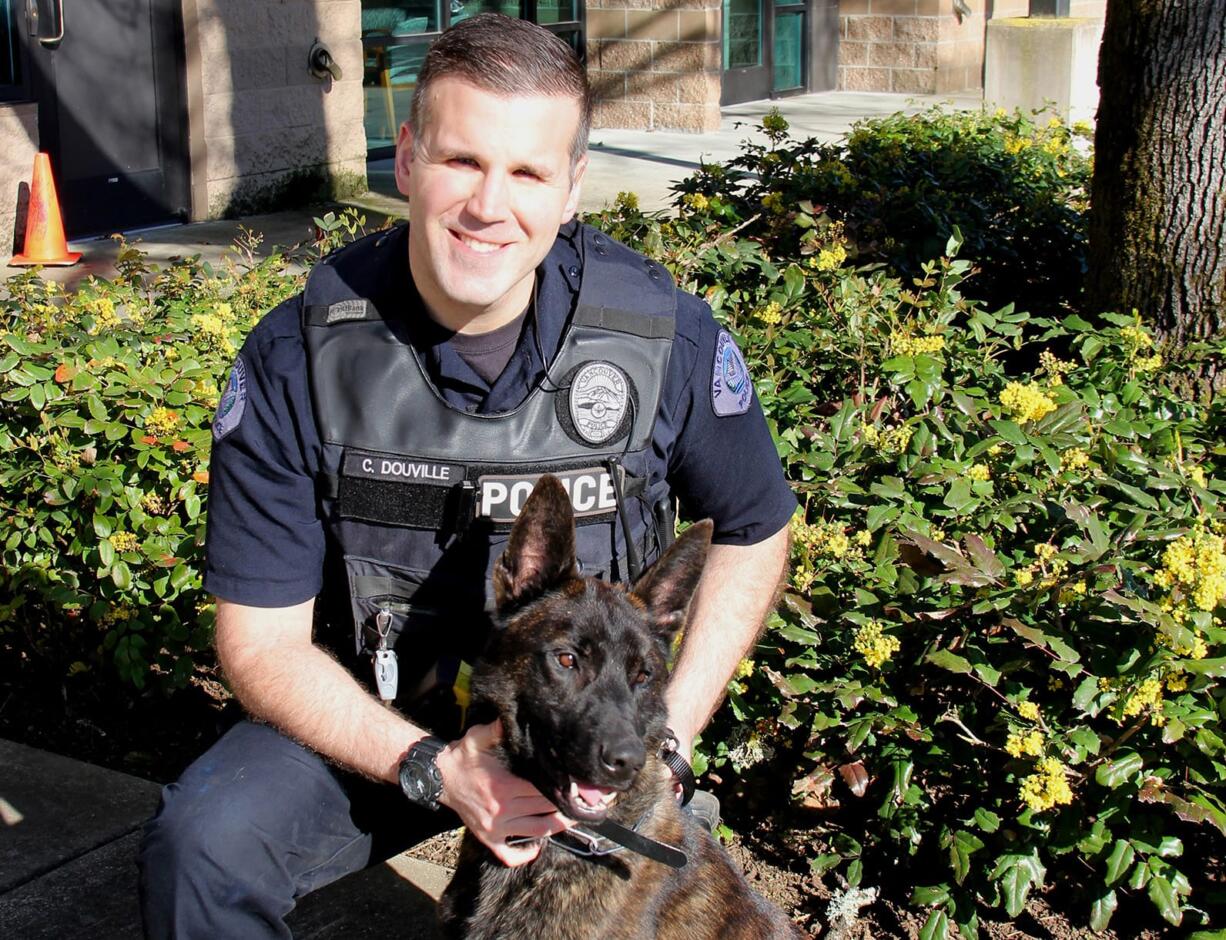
378 436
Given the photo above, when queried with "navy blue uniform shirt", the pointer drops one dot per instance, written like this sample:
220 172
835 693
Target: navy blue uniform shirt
266 542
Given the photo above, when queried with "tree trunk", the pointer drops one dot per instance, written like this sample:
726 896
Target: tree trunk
1158 198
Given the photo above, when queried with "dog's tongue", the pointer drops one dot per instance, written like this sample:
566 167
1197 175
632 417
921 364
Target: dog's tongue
592 795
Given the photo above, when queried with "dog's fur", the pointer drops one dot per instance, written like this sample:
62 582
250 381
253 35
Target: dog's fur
576 672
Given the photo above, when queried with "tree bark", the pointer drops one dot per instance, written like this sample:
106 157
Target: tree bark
1158 197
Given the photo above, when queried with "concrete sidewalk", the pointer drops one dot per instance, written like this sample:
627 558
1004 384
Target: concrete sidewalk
647 163
69 834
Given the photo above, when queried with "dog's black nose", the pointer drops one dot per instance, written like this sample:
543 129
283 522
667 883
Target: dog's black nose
622 758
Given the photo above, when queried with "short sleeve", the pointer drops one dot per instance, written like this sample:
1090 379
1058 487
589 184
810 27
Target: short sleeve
723 464
265 542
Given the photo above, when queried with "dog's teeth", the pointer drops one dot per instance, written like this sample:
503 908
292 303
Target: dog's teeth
574 790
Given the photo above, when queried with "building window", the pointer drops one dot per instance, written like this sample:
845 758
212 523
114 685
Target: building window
397 33
12 81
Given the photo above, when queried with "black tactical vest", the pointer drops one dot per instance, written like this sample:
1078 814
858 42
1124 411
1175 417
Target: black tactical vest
418 496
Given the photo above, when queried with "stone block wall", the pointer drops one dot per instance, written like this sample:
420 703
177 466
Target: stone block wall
909 46
18 144
262 128
655 64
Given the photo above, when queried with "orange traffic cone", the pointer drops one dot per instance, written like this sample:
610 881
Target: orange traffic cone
45 242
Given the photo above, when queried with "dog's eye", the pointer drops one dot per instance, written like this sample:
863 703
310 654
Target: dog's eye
641 676
567 660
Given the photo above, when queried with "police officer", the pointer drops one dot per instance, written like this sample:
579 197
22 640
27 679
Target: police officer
375 440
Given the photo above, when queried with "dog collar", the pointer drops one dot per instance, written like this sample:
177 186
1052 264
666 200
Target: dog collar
608 837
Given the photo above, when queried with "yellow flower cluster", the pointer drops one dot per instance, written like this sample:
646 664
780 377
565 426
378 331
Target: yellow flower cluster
224 312
153 504
118 614
771 314
1026 402
822 541
213 330
1024 743
627 201
904 344
1046 564
696 201
773 202
162 421
875 645
124 542
1148 363
829 259
1136 339
980 472
1028 710
1147 697
103 310
891 442
1053 366
1074 459
744 669
1177 681
1195 564
1047 788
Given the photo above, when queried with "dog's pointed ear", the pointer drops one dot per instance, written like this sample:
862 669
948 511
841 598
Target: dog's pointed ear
541 550
669 584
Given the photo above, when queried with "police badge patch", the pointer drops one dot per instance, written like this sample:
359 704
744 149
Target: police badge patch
731 390
233 401
599 398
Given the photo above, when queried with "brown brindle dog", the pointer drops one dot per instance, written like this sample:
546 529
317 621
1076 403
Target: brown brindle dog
576 672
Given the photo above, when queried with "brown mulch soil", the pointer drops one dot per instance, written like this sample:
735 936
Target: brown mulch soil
154 737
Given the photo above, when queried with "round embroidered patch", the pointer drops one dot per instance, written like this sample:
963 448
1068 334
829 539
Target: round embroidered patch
731 390
599 393
233 401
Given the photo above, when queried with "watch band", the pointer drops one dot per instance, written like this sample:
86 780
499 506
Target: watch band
420 778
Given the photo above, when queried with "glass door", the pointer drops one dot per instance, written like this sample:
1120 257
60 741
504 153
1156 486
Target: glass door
746 74
397 33
789 47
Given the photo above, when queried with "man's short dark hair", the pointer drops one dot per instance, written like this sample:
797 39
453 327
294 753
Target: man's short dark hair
507 57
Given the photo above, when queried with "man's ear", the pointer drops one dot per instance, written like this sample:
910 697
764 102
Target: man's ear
576 186
540 553
669 584
404 158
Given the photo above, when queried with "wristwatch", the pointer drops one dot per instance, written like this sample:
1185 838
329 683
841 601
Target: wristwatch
420 778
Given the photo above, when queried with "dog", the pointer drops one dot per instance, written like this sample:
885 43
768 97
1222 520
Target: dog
576 671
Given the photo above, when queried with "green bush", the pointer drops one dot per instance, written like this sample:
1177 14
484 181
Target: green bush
106 397
902 185
1000 650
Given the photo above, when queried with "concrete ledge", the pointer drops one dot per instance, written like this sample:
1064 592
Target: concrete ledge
1038 63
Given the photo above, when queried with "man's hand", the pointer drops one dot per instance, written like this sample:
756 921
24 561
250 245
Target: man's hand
494 803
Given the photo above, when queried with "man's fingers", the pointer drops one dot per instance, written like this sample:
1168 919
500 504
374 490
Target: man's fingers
538 827
515 855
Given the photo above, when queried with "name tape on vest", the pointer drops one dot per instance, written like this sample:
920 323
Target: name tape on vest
500 498
401 469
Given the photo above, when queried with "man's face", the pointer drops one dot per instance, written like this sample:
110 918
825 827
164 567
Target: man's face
489 183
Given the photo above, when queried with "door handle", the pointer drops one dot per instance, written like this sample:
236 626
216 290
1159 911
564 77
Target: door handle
48 29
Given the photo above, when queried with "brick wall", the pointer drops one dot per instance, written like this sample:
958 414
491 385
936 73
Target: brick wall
261 126
655 64
909 46
18 144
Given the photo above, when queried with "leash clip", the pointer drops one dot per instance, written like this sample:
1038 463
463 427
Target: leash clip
681 769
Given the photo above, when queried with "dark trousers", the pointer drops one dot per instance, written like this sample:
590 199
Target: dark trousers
256 823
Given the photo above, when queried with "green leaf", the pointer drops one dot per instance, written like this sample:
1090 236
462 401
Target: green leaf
121 575
936 927
986 820
1010 431
1101 911
1118 771
855 871
1165 898
951 661
961 847
1120 859
928 895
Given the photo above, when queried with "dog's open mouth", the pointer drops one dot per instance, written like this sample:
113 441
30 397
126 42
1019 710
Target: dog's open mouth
585 802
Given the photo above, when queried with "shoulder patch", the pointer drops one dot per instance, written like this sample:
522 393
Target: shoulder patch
731 390
233 401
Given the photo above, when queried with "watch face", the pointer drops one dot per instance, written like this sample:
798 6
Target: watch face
420 779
